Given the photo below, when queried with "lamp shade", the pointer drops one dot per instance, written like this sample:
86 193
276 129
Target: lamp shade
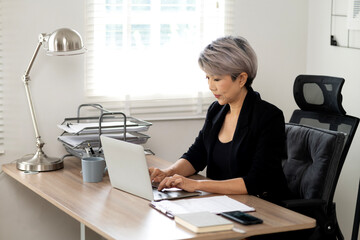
65 41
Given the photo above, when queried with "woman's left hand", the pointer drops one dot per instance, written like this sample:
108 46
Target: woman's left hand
178 181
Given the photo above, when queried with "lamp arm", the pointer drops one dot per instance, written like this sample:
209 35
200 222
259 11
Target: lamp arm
26 79
41 40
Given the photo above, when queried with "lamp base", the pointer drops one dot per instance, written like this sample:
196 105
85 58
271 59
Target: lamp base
39 162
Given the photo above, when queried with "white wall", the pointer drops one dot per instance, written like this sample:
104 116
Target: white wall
335 61
278 31
57 88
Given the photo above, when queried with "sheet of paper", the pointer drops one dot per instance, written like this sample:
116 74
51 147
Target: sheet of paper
78 127
215 205
76 140
107 129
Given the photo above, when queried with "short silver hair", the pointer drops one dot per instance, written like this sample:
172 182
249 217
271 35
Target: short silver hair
229 56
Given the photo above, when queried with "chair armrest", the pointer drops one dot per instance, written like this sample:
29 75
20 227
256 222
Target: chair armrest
303 203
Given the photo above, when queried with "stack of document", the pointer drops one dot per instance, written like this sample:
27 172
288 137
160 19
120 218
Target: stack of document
215 205
93 127
81 136
76 141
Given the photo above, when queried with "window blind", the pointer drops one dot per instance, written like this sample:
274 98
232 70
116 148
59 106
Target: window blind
1 88
142 54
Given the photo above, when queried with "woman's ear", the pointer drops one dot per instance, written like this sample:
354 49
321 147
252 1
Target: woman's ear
243 78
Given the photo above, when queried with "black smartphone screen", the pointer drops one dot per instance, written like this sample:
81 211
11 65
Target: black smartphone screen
241 217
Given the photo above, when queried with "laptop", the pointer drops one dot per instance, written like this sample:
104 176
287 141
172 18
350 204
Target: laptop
128 171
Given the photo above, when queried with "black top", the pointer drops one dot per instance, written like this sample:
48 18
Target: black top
255 151
221 164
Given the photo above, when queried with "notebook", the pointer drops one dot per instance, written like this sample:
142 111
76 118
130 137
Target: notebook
201 222
128 171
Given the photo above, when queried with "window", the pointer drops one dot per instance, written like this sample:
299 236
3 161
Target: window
142 54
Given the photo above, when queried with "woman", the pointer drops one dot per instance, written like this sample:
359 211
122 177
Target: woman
243 136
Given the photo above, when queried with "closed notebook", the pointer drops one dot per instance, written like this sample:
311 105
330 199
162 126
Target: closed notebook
201 222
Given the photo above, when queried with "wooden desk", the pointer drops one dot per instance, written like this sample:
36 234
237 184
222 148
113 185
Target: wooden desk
117 215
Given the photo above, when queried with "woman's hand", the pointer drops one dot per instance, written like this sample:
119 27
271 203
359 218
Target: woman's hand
157 175
182 167
178 181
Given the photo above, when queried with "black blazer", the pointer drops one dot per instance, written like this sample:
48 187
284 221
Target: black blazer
256 148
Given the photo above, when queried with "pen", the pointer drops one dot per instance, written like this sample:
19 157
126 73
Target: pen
87 152
238 230
91 149
162 210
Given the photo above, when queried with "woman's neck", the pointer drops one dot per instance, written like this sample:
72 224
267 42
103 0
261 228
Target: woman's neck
236 106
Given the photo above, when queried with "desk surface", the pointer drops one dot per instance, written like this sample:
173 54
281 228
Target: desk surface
118 215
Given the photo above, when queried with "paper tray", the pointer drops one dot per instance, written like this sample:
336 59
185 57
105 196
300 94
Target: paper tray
80 153
90 125
82 141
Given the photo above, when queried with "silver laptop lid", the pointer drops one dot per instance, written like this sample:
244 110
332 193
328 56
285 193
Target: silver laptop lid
127 167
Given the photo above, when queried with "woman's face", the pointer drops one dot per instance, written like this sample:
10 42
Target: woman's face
225 90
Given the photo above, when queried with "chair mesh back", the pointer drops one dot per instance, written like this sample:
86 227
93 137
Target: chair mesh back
319 94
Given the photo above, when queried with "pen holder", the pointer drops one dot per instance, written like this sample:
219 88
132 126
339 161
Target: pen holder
93 169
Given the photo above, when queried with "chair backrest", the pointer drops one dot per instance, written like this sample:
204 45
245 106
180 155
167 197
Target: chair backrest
320 101
312 155
356 225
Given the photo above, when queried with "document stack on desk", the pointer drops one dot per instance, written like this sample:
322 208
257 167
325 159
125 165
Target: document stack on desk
215 205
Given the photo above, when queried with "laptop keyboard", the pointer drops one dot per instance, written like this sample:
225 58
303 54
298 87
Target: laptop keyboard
155 185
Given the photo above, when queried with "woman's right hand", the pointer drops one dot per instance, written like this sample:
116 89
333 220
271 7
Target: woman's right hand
182 167
156 174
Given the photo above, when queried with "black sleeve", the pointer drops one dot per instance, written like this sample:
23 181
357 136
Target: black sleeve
266 175
197 153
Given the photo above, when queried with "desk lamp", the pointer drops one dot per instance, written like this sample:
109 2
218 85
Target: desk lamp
62 42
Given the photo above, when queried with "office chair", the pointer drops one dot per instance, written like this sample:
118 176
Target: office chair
355 231
311 156
320 101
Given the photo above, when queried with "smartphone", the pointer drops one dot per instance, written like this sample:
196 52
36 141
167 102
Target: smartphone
241 217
